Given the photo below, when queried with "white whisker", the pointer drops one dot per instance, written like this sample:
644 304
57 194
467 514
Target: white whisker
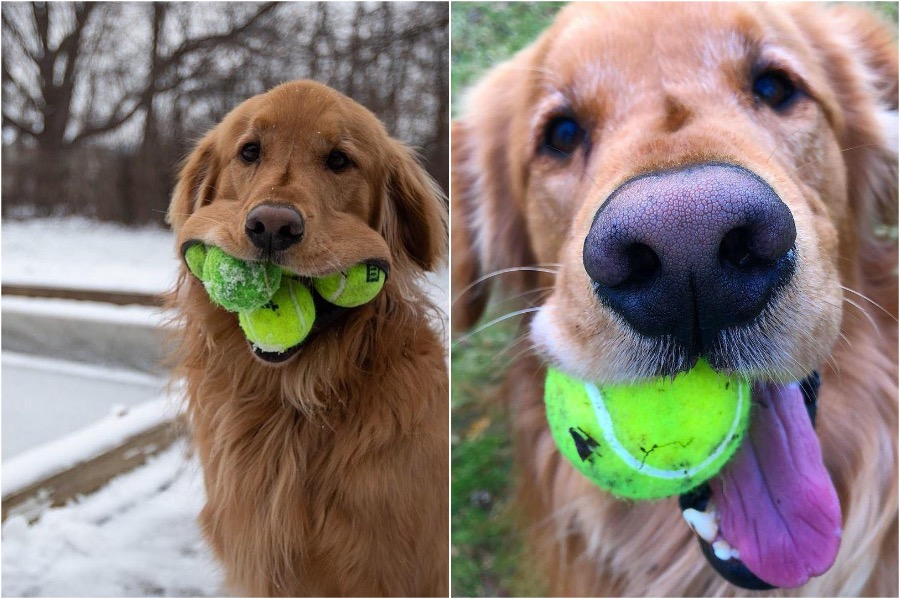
495 321
502 271
866 314
874 303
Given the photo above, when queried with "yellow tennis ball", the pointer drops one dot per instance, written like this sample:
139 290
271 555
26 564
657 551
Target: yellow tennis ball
283 322
353 287
195 257
653 439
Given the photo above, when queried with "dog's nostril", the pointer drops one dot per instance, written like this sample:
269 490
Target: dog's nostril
256 227
735 249
291 230
643 264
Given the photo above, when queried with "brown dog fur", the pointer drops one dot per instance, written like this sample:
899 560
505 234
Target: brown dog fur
325 475
658 87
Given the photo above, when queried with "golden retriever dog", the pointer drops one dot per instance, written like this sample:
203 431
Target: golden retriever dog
700 181
326 466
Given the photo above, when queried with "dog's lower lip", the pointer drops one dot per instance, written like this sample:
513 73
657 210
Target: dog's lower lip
275 357
733 570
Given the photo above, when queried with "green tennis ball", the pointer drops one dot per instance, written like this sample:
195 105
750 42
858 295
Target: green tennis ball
283 322
653 439
195 256
236 284
353 287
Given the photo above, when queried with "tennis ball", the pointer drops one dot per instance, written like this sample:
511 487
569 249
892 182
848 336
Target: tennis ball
652 439
236 284
353 287
283 322
195 256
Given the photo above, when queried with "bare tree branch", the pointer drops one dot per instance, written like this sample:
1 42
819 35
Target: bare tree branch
190 46
21 127
113 122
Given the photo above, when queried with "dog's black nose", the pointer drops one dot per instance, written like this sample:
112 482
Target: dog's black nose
687 253
274 228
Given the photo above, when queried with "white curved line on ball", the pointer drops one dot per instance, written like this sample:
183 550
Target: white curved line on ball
297 307
606 425
342 284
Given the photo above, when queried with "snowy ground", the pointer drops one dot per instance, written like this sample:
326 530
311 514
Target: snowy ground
76 394
138 535
77 253
135 537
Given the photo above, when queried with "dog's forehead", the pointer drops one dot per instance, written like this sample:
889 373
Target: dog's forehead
628 49
306 109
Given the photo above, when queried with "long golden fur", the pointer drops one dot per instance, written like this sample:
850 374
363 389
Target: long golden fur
325 475
663 86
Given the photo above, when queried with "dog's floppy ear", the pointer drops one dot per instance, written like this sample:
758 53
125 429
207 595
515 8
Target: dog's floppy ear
489 229
196 181
414 219
860 57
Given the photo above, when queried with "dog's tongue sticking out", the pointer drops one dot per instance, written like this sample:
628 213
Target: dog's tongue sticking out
776 503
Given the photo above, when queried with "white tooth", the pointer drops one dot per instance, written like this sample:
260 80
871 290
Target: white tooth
704 523
724 551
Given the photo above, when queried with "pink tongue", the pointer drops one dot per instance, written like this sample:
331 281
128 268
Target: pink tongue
776 503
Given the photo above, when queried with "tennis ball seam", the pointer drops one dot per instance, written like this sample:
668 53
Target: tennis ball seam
342 284
296 304
604 420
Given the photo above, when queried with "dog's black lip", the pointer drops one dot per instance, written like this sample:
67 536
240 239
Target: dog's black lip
276 357
734 570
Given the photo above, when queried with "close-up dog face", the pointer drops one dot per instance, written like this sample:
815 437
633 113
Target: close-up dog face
306 178
691 182
744 108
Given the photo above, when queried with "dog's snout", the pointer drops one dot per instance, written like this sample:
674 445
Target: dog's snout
274 228
688 252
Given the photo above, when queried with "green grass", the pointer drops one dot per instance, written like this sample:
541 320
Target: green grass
483 557
485 545
487 33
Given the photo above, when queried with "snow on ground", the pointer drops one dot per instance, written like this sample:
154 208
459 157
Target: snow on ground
79 253
138 316
137 536
75 394
68 450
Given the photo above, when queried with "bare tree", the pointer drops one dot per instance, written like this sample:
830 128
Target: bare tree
136 83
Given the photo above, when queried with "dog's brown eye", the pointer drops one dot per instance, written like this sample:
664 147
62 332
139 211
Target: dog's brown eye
775 89
337 161
250 152
562 136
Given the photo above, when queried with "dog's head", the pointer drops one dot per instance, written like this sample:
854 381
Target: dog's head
703 175
703 178
304 177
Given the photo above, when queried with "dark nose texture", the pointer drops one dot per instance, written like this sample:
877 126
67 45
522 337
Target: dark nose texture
688 252
274 228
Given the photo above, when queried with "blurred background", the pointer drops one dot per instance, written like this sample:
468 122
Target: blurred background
486 537
101 101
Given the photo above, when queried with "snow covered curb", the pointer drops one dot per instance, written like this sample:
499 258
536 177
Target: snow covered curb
139 316
34 465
